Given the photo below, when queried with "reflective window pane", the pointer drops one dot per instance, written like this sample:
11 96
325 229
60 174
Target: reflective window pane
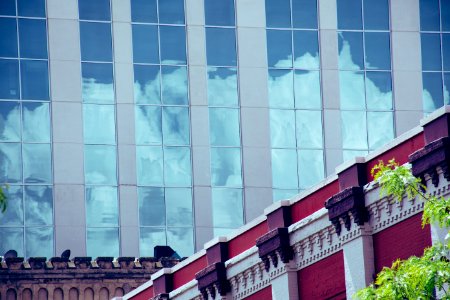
283 194
147 80
282 128
381 128
445 15
12 238
102 242
34 75
172 44
94 10
152 209
9 79
221 46
222 87
446 88
144 11
431 52
306 50
281 87
149 238
354 132
175 125
351 51
446 50
309 129
379 90
378 54
14 212
97 86
349 14
432 91
36 122
95 39
310 167
8 42
177 166
284 168
307 89
37 163
148 125
279 48
304 14
174 85
226 167
8 8
224 127
38 205
102 207
429 15
39 241
219 13
376 14
31 8
171 11
179 206
227 207
278 13
351 87
145 44
10 122
99 124
10 163
181 240
100 164
149 164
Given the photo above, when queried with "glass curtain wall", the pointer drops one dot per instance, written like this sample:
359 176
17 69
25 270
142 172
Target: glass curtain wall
367 118
224 116
99 129
294 96
435 40
25 136
162 116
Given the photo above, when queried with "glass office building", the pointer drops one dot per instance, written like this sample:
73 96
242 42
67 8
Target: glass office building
126 124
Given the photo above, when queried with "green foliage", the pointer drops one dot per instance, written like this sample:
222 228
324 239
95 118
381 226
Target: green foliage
417 277
3 200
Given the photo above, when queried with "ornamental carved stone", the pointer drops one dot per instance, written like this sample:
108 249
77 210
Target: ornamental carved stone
273 244
213 279
346 204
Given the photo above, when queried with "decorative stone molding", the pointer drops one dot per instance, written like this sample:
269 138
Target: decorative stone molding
272 243
346 205
213 279
163 296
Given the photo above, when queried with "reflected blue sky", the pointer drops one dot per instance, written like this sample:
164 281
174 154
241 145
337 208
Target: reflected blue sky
222 87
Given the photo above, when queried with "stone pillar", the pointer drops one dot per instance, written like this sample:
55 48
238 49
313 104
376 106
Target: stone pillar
285 286
359 261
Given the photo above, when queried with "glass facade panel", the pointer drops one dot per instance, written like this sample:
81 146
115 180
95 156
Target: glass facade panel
171 37
377 50
447 88
279 48
96 43
33 38
14 214
10 122
307 89
171 11
8 8
278 13
226 167
31 8
381 128
304 14
446 51
429 15
102 242
376 14
219 13
175 125
227 207
349 14
12 238
148 125
36 122
38 205
39 241
174 85
281 86
177 166
8 42
179 207
306 50
222 87
37 163
351 51
224 127
152 207
34 78
351 138
221 46
379 90
149 165
181 240
145 44
284 171
147 81
102 209
431 52
432 91
102 118
149 238
9 79
97 85
309 129
100 164
10 163
94 10
445 15
351 86
310 167
144 11
282 128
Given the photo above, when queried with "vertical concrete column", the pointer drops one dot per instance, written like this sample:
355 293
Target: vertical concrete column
285 286
359 264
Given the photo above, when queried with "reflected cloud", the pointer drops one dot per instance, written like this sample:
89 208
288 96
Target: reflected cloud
174 85
148 125
227 207
102 207
10 122
38 205
36 122
226 167
97 92
222 87
147 90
